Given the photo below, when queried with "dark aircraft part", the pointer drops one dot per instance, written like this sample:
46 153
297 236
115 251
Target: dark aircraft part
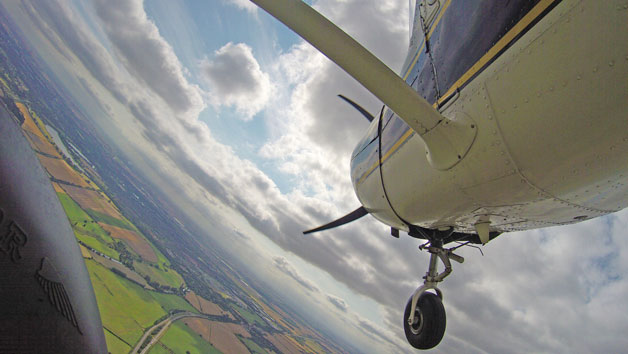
447 236
354 215
364 112
47 303
428 327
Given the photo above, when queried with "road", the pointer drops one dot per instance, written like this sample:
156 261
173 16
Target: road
166 323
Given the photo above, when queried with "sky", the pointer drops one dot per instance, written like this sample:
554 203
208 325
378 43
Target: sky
237 121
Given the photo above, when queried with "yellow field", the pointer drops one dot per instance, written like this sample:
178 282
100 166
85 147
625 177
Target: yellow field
57 188
135 241
85 252
204 306
41 145
29 123
89 199
287 344
60 170
42 127
220 335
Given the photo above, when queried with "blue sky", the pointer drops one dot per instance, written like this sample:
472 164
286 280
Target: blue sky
261 149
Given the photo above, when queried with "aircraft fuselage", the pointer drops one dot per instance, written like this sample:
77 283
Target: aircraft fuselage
543 82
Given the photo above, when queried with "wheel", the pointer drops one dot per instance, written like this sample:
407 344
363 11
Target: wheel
429 322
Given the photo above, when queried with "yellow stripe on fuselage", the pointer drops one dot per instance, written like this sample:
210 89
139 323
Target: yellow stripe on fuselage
394 148
510 35
429 34
503 42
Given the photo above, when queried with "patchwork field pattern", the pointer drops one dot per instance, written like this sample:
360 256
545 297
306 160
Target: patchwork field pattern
91 200
60 170
134 240
181 339
204 306
128 304
220 335
287 344
159 275
125 307
120 267
41 145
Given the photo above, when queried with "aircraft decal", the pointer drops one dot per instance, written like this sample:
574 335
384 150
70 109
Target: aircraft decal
12 238
50 281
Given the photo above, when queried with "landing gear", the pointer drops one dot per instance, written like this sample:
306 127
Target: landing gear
428 325
424 318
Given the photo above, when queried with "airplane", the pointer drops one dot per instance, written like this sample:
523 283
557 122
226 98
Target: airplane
506 116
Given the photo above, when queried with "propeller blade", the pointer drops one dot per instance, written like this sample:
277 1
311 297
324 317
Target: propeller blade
364 112
447 141
356 60
354 215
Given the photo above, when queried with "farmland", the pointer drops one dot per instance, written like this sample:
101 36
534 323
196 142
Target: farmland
129 235
126 309
205 306
136 285
180 339
135 241
220 335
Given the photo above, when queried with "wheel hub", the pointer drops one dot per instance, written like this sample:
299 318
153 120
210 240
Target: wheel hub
417 323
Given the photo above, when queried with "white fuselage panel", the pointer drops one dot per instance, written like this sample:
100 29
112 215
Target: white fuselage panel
552 141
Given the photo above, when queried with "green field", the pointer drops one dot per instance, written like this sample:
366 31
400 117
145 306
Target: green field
97 244
253 347
162 260
125 224
171 302
110 220
115 345
181 339
249 316
170 277
125 307
86 229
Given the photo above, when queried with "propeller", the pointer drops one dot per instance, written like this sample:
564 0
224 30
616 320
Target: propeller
352 216
364 112
447 140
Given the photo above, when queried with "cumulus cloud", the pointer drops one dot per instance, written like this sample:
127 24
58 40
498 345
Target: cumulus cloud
283 265
147 56
339 303
236 79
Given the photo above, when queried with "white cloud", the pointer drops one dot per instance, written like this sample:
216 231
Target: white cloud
244 5
147 56
339 303
283 265
236 79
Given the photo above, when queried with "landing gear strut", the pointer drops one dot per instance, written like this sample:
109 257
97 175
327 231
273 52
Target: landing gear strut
424 317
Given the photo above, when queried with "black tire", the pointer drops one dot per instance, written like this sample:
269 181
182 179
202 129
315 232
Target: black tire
429 324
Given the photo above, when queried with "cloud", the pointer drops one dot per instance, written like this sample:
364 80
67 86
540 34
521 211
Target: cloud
382 335
236 79
244 5
283 265
339 303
